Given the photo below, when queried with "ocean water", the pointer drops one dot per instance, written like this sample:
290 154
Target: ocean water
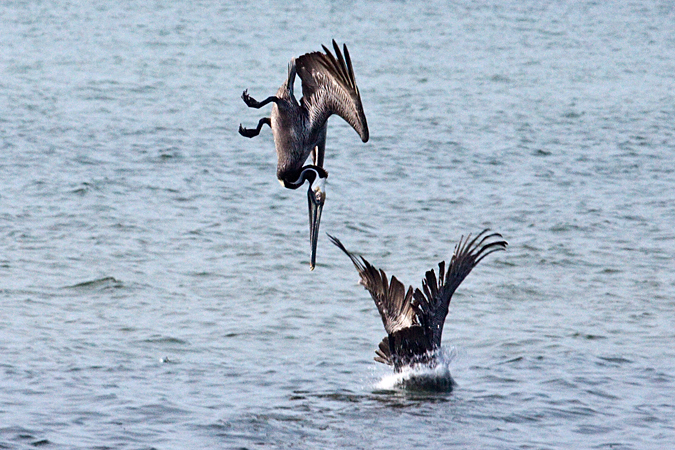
154 281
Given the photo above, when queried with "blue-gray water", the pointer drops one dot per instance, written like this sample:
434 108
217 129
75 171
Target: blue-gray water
154 280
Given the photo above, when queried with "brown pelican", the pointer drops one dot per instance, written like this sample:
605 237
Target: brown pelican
299 128
414 320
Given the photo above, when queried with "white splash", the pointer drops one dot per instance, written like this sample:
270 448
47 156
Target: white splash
423 376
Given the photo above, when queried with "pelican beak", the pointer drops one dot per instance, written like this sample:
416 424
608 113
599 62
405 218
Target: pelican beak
316 196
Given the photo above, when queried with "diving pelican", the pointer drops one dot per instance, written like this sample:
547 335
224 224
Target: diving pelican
414 320
299 128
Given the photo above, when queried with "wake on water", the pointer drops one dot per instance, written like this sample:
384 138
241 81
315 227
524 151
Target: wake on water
423 377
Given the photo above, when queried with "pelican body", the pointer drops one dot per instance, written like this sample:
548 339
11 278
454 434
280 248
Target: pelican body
299 128
414 320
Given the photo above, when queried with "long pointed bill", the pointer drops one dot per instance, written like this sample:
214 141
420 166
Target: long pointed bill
316 197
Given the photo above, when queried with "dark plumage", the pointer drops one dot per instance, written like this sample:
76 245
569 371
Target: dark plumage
299 128
414 319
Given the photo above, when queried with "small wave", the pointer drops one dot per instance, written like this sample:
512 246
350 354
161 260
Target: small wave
105 282
423 377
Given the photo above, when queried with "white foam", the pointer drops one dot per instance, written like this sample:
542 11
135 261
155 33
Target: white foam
425 375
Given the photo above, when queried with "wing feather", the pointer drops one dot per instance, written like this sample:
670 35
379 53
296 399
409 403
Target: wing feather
383 353
329 87
391 298
435 299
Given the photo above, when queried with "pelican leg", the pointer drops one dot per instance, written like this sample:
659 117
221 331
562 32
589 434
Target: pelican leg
253 103
251 132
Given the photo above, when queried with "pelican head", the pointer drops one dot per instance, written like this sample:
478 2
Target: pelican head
316 197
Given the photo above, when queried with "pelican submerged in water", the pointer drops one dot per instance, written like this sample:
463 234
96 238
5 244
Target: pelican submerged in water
414 320
299 128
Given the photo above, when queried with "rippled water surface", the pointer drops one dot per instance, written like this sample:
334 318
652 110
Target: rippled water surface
154 280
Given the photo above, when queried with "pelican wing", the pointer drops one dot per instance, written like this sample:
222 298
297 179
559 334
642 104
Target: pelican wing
329 87
392 300
383 353
432 304
404 347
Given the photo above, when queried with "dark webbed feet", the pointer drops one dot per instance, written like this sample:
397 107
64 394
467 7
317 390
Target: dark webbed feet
253 132
248 132
253 103
250 101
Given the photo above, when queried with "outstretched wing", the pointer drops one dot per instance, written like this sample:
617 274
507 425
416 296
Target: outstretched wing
433 303
392 300
329 87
